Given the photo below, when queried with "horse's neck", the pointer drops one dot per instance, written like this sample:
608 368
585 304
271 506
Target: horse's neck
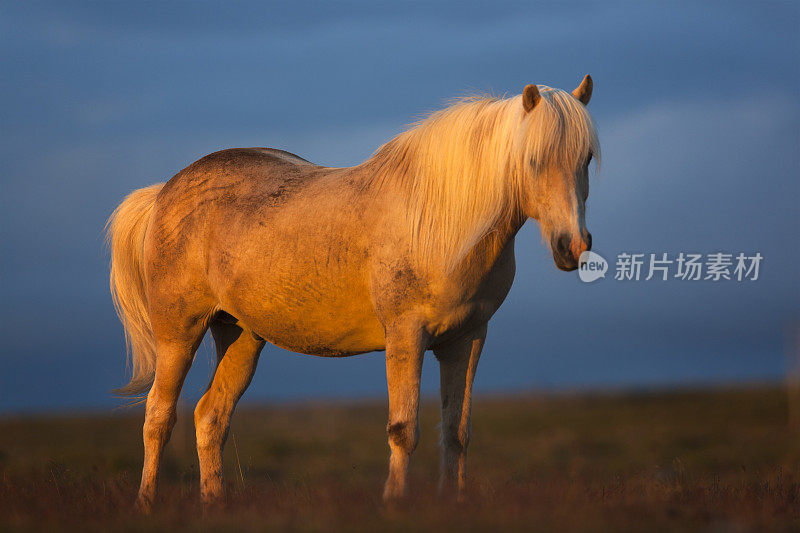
485 255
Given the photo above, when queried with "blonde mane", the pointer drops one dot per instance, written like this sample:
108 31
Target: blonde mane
462 170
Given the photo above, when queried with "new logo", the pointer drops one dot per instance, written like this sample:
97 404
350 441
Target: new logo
591 266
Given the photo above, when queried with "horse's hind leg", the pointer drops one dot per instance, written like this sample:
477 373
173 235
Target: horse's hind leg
458 362
176 344
237 352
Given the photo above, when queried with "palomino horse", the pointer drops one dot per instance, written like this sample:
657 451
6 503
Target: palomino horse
411 250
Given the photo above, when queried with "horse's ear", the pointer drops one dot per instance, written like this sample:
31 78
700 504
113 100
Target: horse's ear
530 97
584 90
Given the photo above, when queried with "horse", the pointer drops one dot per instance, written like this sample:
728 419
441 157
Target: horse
411 250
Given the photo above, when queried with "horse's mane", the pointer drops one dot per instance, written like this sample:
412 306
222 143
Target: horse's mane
462 169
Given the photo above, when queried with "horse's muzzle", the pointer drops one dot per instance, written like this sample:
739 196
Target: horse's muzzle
564 254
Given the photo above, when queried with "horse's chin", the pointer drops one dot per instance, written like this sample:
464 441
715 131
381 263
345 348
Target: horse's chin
565 265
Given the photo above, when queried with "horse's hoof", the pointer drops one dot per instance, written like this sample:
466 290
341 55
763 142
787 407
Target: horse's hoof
394 506
144 505
213 503
392 494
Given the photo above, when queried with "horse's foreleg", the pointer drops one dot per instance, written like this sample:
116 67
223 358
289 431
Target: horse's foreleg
237 351
405 347
173 359
458 362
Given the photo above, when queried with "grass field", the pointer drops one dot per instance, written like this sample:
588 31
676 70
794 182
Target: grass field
721 460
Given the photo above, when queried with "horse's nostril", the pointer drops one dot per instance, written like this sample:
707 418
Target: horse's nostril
588 241
563 244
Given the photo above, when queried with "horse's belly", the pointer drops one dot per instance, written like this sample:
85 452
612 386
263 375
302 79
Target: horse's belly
331 339
322 346
313 322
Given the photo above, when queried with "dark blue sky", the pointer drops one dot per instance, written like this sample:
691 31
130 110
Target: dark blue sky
696 105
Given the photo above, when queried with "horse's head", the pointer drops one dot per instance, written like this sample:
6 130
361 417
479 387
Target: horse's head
560 142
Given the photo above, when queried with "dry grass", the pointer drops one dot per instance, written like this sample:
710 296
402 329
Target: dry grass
714 460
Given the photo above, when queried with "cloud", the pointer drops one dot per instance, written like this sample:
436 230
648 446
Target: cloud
698 119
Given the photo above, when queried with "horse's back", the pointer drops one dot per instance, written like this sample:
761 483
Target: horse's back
274 240
237 165
283 155
231 182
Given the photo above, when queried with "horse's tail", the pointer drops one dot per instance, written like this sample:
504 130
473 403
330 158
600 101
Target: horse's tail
125 232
